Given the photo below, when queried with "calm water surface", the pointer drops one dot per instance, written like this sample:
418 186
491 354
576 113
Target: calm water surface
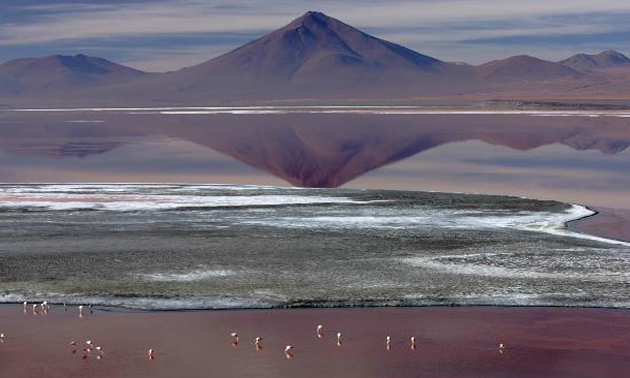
575 158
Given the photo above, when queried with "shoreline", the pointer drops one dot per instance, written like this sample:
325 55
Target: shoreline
452 342
448 102
605 222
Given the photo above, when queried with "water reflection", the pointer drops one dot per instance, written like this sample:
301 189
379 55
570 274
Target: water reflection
578 159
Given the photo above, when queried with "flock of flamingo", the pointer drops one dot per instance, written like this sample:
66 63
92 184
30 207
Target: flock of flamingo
44 308
319 332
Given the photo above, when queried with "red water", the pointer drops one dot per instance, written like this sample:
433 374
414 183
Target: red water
452 342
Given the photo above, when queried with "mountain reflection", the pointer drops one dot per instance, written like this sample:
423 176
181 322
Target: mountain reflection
309 150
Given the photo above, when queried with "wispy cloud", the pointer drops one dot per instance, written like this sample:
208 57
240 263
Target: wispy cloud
481 29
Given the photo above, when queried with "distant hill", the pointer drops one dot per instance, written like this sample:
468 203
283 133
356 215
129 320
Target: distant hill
604 59
524 67
59 72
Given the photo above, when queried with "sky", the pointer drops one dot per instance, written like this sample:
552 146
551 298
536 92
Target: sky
163 35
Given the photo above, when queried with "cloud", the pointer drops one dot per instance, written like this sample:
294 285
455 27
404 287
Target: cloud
477 27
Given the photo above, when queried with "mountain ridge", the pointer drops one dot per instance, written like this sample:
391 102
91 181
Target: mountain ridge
605 59
313 58
62 72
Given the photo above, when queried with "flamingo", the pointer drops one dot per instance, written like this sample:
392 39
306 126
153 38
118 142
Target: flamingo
151 354
413 342
320 331
80 310
2 338
89 344
258 343
35 308
74 346
288 351
234 336
389 342
339 338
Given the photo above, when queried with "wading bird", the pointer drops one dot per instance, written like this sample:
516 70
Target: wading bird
339 338
74 346
288 351
413 342
258 343
320 331
389 343
151 354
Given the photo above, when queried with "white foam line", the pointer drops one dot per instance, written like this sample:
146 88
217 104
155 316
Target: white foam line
489 270
204 108
156 203
377 111
195 275
362 109
559 226
84 121
147 303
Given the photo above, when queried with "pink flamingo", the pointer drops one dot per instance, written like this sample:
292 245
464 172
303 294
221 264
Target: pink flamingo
320 331
288 351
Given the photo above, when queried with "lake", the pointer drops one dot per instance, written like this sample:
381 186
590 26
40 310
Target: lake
570 156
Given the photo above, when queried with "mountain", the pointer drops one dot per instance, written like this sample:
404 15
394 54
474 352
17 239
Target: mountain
524 67
59 73
605 59
316 45
313 56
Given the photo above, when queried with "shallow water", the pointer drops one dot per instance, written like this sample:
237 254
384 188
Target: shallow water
178 246
578 156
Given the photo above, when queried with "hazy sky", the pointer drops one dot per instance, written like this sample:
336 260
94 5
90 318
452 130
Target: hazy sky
169 34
